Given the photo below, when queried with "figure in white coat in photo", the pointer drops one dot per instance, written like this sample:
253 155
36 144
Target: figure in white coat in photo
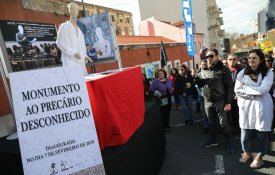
102 45
21 37
70 41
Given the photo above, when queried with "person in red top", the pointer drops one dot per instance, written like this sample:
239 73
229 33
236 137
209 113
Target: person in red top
174 73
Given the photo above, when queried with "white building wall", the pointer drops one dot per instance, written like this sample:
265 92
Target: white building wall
163 10
200 18
171 11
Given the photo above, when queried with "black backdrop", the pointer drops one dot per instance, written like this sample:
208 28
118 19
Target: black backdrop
143 154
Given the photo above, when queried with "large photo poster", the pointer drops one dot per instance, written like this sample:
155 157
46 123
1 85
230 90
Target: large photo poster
30 45
98 37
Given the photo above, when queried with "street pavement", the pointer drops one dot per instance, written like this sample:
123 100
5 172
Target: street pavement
185 154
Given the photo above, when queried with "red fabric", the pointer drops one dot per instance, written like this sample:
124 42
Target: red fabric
174 79
117 102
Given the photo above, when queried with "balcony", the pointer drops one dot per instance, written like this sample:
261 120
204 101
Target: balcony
214 40
211 4
213 23
220 20
221 33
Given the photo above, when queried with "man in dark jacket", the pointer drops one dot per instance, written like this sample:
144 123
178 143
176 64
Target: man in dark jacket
218 91
234 113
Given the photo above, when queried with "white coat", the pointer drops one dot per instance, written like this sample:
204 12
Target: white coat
254 101
71 42
103 45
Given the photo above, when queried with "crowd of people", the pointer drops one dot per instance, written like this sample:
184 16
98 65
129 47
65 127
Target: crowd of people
235 95
29 52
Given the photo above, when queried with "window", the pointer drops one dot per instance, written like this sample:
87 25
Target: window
130 32
123 32
199 47
156 67
168 67
128 20
120 18
113 18
144 70
80 14
177 64
195 47
191 65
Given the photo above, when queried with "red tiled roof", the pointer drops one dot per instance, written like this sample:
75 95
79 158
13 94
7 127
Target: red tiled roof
142 40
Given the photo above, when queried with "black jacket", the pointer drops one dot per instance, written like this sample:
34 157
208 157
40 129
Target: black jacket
181 84
217 83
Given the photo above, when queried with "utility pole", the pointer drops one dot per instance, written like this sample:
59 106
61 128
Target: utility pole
84 14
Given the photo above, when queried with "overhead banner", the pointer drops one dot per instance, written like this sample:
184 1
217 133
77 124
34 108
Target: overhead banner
98 37
54 120
187 16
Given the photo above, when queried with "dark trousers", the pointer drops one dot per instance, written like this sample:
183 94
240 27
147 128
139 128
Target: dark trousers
165 114
234 115
216 115
177 100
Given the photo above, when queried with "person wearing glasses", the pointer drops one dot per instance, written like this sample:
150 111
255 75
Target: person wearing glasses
218 90
243 62
268 61
232 61
224 62
162 88
203 66
186 87
255 106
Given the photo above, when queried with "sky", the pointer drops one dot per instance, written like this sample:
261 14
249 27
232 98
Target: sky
237 14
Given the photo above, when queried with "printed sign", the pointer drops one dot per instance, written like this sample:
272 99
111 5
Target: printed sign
187 16
265 45
98 37
54 120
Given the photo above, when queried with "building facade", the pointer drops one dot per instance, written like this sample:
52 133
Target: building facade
216 34
206 16
176 32
121 19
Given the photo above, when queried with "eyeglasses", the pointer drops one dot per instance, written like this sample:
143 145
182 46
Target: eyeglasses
268 60
232 59
211 56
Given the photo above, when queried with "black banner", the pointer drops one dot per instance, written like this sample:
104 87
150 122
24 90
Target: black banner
40 31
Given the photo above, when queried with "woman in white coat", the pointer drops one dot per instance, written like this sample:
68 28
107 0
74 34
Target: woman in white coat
255 105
